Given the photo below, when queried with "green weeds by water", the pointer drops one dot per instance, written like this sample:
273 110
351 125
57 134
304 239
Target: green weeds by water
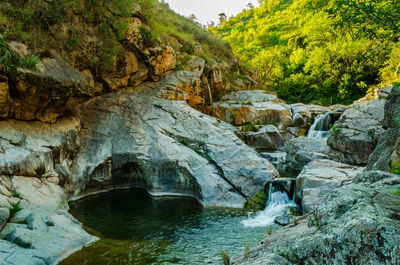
225 257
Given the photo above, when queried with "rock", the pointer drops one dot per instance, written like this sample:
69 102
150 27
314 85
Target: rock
40 192
43 95
301 115
256 113
4 215
165 147
196 65
278 159
47 238
162 60
268 138
184 85
387 150
318 178
250 96
354 224
5 99
357 132
283 220
303 150
384 92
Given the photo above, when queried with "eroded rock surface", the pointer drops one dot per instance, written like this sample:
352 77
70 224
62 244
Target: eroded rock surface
165 147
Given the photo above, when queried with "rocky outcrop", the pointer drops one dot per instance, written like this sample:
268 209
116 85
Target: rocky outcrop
387 151
356 133
320 177
358 224
43 94
165 147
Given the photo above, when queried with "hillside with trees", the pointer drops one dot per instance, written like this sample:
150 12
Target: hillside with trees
319 51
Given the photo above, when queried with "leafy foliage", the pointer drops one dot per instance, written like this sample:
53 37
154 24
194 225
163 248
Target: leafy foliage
12 60
318 51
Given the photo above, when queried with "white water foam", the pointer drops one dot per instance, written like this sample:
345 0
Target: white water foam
320 128
276 205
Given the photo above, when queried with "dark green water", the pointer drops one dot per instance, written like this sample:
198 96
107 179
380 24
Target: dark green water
138 229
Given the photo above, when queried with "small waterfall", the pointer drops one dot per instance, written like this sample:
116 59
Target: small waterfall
277 203
320 128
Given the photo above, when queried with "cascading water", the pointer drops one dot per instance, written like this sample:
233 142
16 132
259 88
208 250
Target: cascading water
277 203
320 128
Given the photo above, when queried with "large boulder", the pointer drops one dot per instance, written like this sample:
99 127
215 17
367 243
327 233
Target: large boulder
268 138
246 96
355 135
165 147
303 150
238 113
44 94
318 178
354 224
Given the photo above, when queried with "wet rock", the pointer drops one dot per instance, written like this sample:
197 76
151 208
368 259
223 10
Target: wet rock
318 178
283 220
357 132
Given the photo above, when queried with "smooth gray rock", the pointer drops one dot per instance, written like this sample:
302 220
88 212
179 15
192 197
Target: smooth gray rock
165 147
250 96
319 177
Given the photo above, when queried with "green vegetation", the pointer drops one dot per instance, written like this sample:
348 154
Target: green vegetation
396 192
16 194
15 209
225 256
94 33
318 51
336 129
269 230
12 60
316 221
246 249
396 167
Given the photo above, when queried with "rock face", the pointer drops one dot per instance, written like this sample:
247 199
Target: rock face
165 147
387 151
44 94
357 223
357 132
318 178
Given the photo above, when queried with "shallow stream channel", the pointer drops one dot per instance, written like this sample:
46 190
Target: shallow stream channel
135 228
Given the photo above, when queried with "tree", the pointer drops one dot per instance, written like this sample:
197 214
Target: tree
222 17
371 18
